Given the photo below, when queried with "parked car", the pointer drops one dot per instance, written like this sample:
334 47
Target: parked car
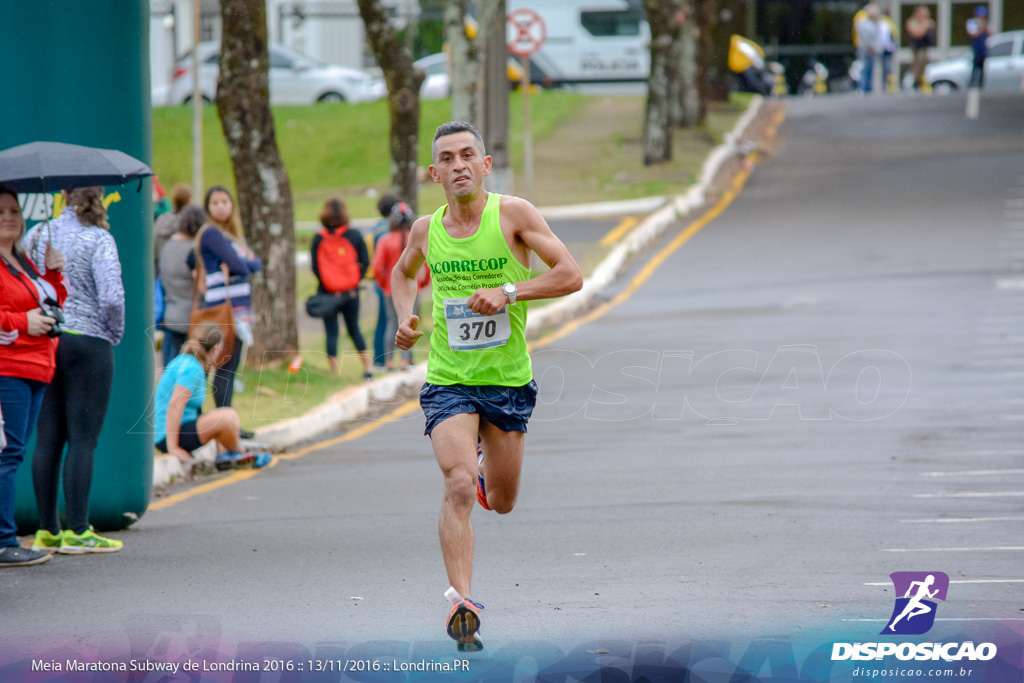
1004 68
294 79
438 82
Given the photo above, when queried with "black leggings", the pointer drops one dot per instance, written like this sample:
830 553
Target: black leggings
224 378
73 410
350 312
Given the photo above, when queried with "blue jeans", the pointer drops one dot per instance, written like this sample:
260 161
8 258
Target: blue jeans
382 324
867 69
20 400
173 341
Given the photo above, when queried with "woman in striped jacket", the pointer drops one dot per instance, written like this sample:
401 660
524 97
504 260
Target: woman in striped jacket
222 247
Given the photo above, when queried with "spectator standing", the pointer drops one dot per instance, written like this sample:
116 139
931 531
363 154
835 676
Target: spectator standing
889 38
27 361
921 32
179 428
378 231
389 250
869 44
165 224
76 400
221 245
977 29
179 280
339 258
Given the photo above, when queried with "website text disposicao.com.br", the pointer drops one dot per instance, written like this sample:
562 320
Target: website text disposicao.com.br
951 654
866 672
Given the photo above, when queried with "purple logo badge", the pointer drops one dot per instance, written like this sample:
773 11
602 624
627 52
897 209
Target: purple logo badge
914 611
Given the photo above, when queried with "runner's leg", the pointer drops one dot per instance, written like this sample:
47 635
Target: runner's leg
502 466
454 442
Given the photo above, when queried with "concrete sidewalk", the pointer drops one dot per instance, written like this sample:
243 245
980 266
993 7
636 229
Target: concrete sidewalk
363 400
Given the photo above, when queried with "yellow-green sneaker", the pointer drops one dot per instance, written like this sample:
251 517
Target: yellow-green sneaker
46 541
88 542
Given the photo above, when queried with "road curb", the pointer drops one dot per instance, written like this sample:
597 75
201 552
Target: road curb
354 402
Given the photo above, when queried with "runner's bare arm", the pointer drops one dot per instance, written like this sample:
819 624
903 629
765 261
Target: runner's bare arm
403 283
564 276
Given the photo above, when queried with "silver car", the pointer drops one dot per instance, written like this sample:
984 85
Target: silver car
1004 67
294 79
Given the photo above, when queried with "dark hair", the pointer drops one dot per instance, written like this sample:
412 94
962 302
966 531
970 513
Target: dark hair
385 203
334 214
88 203
180 197
190 219
451 128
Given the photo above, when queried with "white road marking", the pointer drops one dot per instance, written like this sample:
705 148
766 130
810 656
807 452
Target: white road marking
953 550
961 520
967 494
971 473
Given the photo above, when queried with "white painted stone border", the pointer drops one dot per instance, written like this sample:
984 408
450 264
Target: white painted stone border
353 402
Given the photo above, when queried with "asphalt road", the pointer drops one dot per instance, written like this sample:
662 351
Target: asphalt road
821 387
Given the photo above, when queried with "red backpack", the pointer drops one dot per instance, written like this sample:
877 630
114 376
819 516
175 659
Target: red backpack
338 262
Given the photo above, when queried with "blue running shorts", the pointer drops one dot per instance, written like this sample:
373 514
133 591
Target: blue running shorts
507 408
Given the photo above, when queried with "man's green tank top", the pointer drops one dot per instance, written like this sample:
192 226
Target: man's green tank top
459 267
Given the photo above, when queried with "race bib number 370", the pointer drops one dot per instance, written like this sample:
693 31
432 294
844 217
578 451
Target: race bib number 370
468 330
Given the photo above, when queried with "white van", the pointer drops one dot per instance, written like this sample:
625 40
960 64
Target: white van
590 41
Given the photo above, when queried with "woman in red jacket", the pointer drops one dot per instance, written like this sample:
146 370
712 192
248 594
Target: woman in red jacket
27 360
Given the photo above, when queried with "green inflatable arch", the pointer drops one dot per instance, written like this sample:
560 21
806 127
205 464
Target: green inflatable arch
78 72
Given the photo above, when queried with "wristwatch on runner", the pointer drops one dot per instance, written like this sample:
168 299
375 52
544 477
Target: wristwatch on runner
510 291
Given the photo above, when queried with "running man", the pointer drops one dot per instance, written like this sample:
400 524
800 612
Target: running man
915 606
479 386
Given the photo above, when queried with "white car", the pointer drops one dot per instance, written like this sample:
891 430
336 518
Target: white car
438 82
1004 67
294 79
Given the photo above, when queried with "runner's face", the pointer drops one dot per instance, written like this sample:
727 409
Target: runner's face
460 167
221 207
10 220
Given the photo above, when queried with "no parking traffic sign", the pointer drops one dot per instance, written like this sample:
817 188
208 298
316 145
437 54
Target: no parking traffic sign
525 32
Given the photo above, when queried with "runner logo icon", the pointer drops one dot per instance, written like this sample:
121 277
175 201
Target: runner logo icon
914 611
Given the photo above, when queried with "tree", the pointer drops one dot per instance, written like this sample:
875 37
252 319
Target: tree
464 61
662 84
404 83
687 108
467 42
264 194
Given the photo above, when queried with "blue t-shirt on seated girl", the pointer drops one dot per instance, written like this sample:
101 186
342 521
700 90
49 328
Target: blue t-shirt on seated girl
184 371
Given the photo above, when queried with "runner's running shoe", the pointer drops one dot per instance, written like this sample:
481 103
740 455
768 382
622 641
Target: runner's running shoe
88 542
481 492
464 625
46 541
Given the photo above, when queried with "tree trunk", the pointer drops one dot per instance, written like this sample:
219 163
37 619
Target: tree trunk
264 194
688 112
404 83
706 12
661 84
464 62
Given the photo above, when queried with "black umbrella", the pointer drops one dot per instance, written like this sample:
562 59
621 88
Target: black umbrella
51 166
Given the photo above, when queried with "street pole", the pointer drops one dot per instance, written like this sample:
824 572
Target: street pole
197 104
527 130
496 103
